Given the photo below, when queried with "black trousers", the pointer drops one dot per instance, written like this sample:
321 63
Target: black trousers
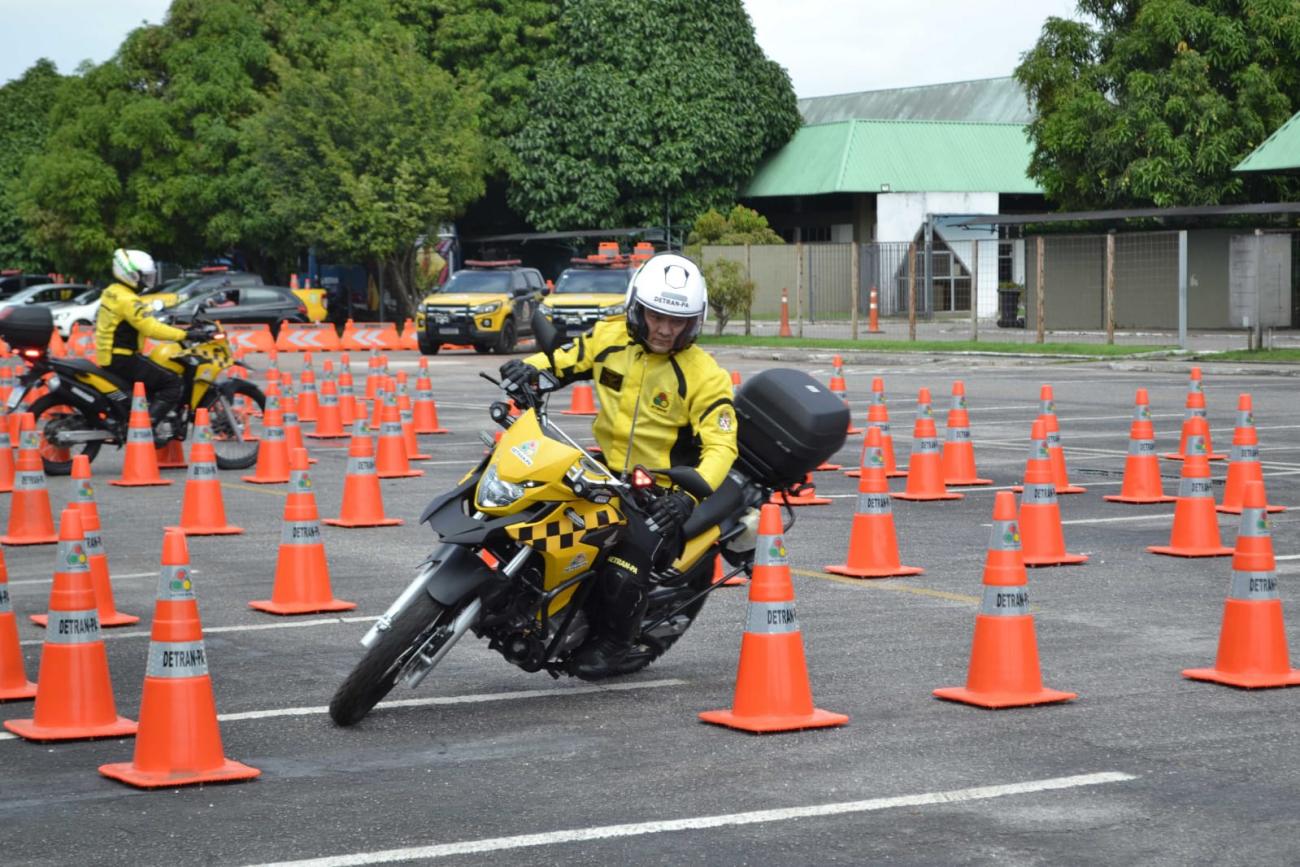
162 387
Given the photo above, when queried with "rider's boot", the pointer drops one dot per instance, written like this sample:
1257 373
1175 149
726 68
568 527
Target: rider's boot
624 608
164 426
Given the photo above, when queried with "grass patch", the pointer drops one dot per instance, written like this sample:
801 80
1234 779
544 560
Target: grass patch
1263 356
1100 350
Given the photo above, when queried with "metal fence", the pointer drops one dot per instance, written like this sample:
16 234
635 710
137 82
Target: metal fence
1133 287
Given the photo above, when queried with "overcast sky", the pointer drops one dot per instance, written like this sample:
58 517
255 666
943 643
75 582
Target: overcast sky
828 46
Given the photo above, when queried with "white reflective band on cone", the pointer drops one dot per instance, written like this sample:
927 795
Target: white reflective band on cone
958 434
1245 418
925 409
361 467
1005 601
329 398
72 627
882 426
29 480
273 433
1253 586
1141 448
1039 495
1053 439
873 504
1195 412
1254 522
1142 412
138 404
771 551
299 481
1005 536
177 659
1038 450
771 618
29 440
390 429
5 606
139 435
72 557
94 543
174 583
925 445
202 470
1194 488
1244 454
300 533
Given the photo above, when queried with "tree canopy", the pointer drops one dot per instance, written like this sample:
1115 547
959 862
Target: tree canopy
1155 101
647 111
25 106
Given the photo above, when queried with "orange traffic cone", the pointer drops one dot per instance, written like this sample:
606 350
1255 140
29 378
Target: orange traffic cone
6 455
375 377
1040 514
1194 408
1195 532
292 430
74 695
1141 468
735 380
958 451
720 574
425 408
840 389
407 417
873 542
802 495
302 575
178 743
308 402
30 519
140 466
1047 412
1243 463
924 466
83 498
347 397
170 456
1004 669
1252 640
203 511
390 457
582 402
878 417
772 689
272 450
363 502
14 685
329 423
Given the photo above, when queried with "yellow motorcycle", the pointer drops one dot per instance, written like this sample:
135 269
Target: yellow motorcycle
525 533
80 407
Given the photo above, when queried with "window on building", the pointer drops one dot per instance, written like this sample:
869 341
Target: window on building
1006 262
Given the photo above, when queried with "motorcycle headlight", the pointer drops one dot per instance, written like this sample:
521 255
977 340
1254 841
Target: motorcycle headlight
494 492
616 310
486 308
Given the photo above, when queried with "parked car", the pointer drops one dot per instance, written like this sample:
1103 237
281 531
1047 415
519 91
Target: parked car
81 310
592 290
174 292
487 304
243 305
12 281
50 293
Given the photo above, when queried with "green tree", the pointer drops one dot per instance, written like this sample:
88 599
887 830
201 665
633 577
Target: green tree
731 291
368 153
647 111
24 104
1155 101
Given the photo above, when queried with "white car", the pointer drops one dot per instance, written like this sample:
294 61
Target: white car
80 310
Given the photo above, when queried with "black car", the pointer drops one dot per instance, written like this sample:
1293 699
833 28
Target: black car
242 305
13 281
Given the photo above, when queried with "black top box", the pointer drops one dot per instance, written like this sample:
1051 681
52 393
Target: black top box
26 326
789 424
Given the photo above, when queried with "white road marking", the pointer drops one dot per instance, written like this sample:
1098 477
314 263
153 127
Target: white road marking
478 698
1163 516
243 627
697 823
115 577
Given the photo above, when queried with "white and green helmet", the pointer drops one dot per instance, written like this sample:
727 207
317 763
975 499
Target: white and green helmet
135 268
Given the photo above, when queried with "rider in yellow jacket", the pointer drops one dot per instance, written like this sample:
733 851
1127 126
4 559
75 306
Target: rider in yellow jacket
121 326
664 402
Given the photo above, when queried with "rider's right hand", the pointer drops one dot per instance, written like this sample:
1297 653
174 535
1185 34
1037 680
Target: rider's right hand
516 375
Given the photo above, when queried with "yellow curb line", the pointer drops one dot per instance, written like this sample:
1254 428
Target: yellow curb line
889 585
238 487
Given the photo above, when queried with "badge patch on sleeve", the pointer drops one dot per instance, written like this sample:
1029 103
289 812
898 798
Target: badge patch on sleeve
611 379
725 421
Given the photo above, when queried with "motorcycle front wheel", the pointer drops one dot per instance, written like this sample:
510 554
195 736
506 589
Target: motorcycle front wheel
54 415
232 450
387 660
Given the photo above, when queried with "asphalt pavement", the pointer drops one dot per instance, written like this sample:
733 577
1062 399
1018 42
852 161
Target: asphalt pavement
486 764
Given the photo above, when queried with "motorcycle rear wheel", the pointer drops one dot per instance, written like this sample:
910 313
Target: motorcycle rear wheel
385 662
52 411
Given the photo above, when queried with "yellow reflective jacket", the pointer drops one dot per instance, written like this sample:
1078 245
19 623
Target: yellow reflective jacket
123 322
681 403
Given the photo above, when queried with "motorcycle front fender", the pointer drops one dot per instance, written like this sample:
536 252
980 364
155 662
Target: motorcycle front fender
458 576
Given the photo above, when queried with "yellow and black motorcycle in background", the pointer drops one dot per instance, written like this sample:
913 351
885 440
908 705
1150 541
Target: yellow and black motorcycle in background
525 533
80 407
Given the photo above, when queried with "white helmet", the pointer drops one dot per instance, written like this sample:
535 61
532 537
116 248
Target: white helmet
670 285
135 268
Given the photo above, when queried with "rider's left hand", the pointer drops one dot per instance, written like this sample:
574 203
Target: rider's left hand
667 514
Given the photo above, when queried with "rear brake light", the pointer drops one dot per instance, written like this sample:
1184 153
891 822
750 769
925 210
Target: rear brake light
642 479
33 353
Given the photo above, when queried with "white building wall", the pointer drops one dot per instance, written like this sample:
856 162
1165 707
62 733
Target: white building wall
899 215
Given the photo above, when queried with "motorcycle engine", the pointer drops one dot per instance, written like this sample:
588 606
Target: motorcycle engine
527 649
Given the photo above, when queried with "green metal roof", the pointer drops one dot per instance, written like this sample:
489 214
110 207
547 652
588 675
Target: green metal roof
872 156
1280 152
988 100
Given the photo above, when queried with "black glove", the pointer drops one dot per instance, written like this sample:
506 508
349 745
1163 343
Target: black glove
516 375
667 514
